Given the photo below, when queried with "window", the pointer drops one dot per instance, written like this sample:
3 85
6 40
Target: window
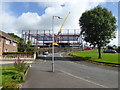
6 50
7 42
14 50
14 44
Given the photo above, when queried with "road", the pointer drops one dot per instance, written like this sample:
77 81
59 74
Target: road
100 75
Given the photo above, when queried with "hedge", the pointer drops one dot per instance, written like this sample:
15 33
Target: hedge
5 53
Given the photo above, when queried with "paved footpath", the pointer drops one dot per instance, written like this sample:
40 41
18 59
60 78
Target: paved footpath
40 76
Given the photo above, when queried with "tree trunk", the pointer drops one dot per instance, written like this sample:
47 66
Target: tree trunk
99 51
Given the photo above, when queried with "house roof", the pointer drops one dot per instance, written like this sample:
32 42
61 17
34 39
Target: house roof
3 34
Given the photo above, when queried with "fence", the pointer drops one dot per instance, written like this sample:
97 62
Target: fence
16 56
59 50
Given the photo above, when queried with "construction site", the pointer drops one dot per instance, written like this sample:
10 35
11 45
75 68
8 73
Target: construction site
45 37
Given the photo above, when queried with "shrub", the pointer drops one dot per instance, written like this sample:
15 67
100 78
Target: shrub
110 47
5 53
18 76
20 65
10 86
9 72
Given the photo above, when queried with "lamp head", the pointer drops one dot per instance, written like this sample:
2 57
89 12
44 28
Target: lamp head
58 17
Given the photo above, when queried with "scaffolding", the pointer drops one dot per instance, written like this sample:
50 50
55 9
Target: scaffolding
43 37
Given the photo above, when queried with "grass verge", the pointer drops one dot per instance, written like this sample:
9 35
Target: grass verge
93 55
10 75
7 68
0 77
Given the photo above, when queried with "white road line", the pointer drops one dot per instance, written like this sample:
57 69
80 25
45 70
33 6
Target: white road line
69 61
45 58
61 55
84 79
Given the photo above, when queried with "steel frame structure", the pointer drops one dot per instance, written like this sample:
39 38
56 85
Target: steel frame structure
43 37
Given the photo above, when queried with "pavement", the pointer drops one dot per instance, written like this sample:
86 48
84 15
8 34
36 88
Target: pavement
41 76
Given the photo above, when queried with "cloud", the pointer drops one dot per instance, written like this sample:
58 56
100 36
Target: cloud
6 19
32 21
28 21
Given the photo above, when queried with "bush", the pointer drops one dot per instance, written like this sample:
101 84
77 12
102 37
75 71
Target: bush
10 86
110 47
5 53
18 76
20 65
118 49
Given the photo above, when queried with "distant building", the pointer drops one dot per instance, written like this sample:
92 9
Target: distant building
7 43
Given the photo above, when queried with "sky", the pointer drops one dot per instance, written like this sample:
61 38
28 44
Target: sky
17 16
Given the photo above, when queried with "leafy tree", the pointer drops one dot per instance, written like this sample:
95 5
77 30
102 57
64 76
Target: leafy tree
21 45
28 45
114 46
109 47
17 38
98 27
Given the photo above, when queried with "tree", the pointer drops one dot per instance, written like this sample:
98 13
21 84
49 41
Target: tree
17 38
98 27
28 45
21 45
118 49
114 46
109 47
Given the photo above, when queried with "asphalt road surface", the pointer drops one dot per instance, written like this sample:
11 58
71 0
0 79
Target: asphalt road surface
100 75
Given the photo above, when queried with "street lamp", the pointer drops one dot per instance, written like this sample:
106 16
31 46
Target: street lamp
53 40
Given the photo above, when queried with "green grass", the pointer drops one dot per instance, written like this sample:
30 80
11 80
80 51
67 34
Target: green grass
0 77
93 55
8 74
7 68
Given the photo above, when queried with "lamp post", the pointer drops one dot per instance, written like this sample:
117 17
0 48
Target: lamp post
53 41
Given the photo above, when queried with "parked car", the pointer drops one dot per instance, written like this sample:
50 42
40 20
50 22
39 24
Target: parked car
109 51
45 53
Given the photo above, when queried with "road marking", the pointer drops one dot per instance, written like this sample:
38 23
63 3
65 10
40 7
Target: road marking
84 79
69 61
61 55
